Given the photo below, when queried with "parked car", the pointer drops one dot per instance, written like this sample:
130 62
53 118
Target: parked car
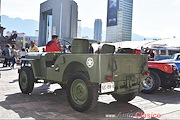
162 74
175 58
162 57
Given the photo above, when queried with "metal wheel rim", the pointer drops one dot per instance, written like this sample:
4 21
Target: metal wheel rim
148 83
23 80
79 91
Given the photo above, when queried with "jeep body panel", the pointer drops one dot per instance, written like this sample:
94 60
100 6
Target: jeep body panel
57 67
124 72
86 75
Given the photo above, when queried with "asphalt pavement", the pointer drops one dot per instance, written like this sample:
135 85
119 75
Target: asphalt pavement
48 101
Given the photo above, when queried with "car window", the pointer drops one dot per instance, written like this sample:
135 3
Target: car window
178 58
173 56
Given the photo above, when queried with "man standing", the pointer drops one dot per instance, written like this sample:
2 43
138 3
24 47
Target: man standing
99 47
13 55
33 47
91 49
6 54
53 45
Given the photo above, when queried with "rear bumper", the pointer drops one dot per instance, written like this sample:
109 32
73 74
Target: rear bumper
127 87
129 84
127 90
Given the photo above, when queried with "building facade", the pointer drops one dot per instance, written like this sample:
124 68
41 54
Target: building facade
98 29
119 20
58 17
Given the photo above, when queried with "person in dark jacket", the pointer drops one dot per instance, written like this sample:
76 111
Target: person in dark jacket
151 56
7 55
91 49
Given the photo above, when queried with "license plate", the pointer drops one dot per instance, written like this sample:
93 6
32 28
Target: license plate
107 87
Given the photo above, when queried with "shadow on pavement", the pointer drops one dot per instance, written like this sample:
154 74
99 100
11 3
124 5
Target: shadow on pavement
164 96
16 80
54 105
5 69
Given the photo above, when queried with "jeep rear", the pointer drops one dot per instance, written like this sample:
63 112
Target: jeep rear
85 75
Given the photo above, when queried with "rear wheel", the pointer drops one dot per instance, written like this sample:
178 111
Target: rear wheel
125 98
152 83
81 93
26 80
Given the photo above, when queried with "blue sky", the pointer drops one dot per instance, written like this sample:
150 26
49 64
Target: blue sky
151 18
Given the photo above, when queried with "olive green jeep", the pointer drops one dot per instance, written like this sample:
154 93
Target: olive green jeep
85 76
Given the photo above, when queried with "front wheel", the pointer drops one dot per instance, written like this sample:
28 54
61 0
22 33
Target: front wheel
151 84
81 93
125 98
26 80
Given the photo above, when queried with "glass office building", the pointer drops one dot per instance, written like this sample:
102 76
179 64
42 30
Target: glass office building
119 20
98 29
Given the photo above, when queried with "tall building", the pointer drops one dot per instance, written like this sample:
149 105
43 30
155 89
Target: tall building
119 20
79 29
98 29
58 17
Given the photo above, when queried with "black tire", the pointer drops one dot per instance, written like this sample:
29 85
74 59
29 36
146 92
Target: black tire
81 93
26 80
125 98
151 84
168 83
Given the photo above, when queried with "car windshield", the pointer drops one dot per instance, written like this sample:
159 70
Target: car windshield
173 56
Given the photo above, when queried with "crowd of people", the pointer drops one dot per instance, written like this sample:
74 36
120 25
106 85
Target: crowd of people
11 54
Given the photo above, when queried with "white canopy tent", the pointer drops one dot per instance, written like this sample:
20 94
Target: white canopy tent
171 43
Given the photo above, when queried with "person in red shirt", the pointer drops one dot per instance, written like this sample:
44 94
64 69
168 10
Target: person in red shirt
53 45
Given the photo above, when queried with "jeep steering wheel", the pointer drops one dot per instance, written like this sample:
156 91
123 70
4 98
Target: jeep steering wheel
64 43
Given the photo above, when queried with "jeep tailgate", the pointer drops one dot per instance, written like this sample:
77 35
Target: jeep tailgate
130 63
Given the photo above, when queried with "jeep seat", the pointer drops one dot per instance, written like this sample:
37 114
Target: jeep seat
80 46
107 49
